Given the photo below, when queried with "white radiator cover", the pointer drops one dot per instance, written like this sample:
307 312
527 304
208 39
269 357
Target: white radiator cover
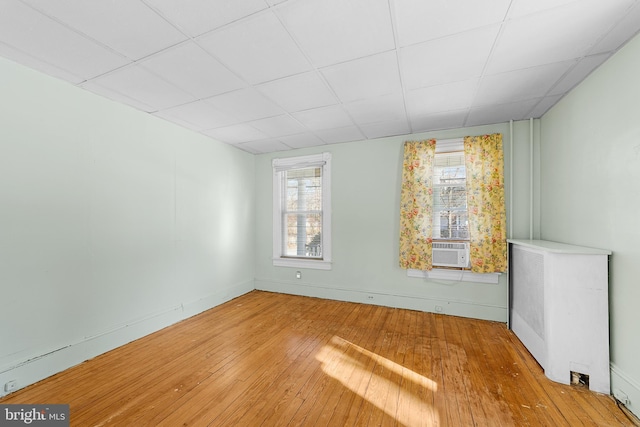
559 308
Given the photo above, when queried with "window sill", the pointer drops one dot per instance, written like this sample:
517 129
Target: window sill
455 275
317 264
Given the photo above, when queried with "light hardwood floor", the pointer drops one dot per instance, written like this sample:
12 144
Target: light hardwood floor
267 359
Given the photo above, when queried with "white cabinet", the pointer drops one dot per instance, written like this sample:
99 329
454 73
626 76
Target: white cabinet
559 308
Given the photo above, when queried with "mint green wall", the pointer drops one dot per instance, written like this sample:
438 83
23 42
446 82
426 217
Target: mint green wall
365 219
113 224
590 192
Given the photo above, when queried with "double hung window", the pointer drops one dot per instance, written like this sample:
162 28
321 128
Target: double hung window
450 220
302 211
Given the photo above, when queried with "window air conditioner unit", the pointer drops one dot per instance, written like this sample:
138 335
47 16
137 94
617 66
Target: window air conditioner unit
450 254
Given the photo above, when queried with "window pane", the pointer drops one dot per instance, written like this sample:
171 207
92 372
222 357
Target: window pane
450 197
303 235
302 213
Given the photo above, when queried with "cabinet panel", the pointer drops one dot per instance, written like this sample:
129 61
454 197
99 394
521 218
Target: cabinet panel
558 308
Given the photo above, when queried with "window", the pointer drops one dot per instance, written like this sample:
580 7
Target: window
302 211
450 197
448 224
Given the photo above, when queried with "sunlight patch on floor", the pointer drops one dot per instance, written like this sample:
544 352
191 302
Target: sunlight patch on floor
401 393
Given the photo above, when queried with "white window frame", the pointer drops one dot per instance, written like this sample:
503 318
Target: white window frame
279 167
455 275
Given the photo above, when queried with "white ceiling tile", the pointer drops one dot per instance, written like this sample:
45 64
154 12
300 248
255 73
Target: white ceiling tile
382 129
338 135
444 120
446 97
176 121
419 20
236 134
278 126
449 59
380 109
301 140
27 30
200 16
127 26
199 115
365 77
27 60
500 113
333 31
626 29
265 146
91 86
245 104
544 105
258 48
581 70
324 118
323 70
569 32
520 84
143 86
193 70
300 92
247 149
520 8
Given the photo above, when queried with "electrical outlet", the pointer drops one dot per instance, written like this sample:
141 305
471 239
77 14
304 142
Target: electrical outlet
10 385
298 275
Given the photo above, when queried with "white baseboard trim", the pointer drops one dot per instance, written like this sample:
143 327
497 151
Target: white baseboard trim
625 389
412 302
37 368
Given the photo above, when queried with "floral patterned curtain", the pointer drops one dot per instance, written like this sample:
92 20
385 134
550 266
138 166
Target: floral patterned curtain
416 197
484 162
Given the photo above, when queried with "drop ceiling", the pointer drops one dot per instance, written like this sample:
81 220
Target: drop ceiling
274 75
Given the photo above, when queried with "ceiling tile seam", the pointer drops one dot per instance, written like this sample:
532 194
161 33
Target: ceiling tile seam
165 18
42 61
529 113
542 11
195 96
313 67
159 12
76 31
613 27
140 62
152 109
486 64
156 75
239 122
394 27
560 79
253 141
457 33
317 71
195 39
248 84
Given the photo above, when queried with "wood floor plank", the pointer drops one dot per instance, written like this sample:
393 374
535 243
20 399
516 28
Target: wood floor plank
267 359
360 377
